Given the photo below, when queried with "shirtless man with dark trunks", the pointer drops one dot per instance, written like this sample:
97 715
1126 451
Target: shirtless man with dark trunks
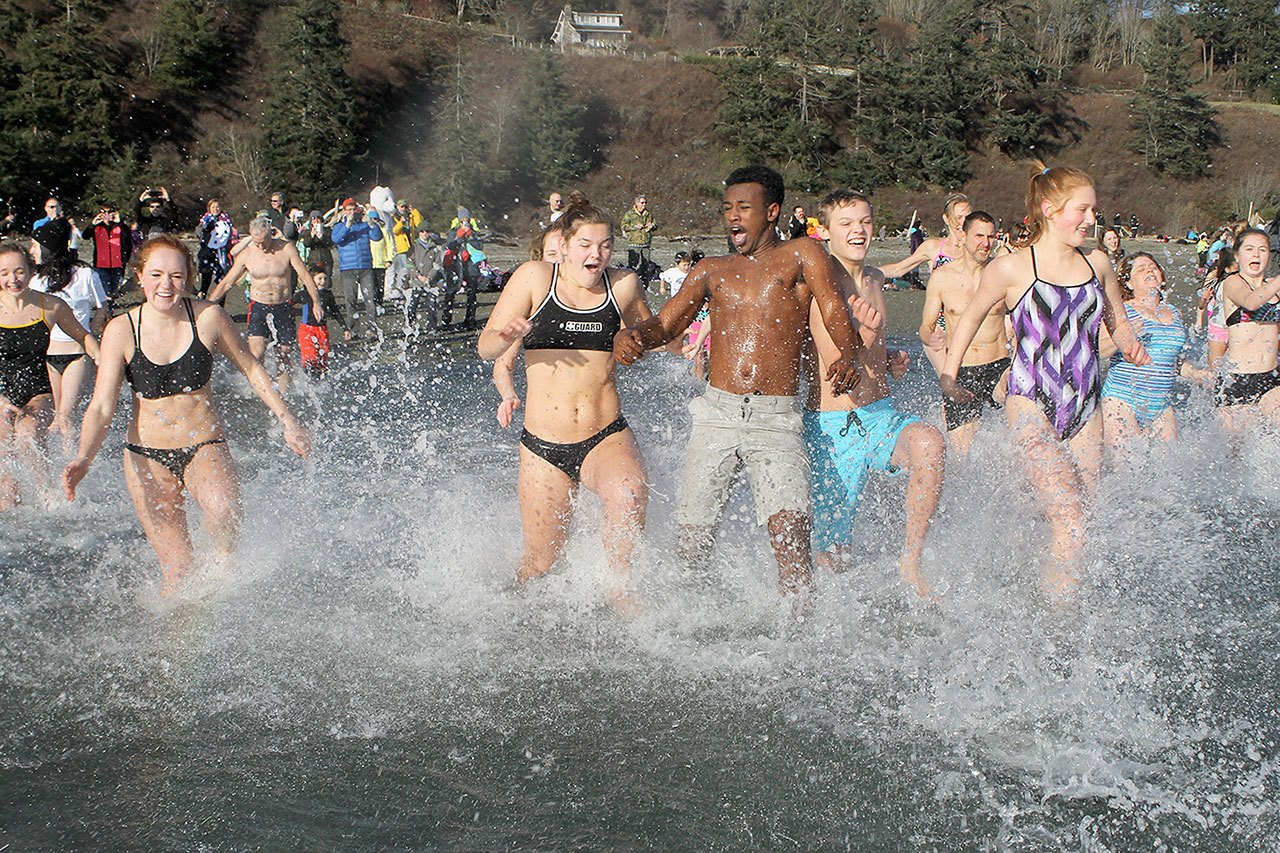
759 300
986 362
268 260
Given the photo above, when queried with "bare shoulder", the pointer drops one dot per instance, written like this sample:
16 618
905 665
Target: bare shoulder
1099 261
625 283
1010 268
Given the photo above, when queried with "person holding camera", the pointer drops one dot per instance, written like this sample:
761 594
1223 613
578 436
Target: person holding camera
112 242
155 212
353 236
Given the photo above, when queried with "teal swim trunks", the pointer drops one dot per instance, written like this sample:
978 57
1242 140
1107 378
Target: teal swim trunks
844 447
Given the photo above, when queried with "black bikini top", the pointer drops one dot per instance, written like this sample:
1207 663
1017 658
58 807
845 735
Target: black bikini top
1267 312
557 326
154 381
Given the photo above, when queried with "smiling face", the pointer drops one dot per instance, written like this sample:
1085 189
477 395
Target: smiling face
1111 241
955 221
746 216
1145 276
163 278
1254 254
980 240
589 249
15 273
1073 220
848 231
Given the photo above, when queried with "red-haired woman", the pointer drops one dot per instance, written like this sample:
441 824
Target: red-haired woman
175 439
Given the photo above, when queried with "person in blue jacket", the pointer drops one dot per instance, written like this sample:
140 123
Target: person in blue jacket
351 237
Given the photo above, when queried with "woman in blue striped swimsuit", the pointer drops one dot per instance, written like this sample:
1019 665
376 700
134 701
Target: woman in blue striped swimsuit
1137 400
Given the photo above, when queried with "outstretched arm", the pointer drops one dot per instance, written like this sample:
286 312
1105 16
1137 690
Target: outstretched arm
102 406
927 249
233 346
65 319
509 321
1114 316
930 334
1238 291
233 275
631 343
993 287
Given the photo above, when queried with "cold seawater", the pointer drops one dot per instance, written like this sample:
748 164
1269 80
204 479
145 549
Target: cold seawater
365 674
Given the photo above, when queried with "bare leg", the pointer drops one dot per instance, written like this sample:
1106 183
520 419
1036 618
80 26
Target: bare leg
1164 429
1086 449
789 533
546 495
8 456
961 438
66 395
214 483
284 362
615 472
1057 484
157 498
923 452
1120 430
30 429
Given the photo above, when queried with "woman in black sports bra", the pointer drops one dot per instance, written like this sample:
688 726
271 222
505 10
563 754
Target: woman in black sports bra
26 398
1249 301
175 439
566 315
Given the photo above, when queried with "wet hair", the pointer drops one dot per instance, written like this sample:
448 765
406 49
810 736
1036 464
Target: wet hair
577 213
58 270
163 241
259 224
1126 270
11 247
978 216
953 201
1051 185
774 187
837 199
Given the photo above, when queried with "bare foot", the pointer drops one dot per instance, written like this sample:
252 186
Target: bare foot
623 602
909 573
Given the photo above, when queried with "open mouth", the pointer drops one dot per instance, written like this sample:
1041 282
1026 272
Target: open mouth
738 236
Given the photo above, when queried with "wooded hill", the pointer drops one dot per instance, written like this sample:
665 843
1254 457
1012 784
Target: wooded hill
1169 110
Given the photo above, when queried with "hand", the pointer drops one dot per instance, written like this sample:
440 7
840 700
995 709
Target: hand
1137 325
867 315
1136 353
843 374
953 390
515 330
628 348
938 340
72 475
899 363
506 409
297 438
319 310
690 350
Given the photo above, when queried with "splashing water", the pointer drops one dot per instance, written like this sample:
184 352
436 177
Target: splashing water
367 671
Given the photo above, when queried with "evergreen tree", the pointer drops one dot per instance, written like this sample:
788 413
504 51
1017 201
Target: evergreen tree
192 46
1174 128
555 128
55 120
458 172
1023 103
308 119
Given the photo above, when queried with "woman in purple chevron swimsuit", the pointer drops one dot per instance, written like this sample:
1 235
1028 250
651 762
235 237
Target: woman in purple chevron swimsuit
1058 297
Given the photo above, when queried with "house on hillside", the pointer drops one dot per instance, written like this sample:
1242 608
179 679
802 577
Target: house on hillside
589 31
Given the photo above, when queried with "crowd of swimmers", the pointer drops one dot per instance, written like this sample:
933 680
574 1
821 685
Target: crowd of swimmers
1026 328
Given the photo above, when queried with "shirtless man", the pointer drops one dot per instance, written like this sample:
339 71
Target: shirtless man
759 300
848 435
937 252
268 260
985 366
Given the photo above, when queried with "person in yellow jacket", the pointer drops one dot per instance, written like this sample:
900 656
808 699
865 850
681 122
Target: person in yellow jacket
404 227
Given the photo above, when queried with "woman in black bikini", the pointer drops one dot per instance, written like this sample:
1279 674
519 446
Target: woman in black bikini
26 398
175 440
566 315
1251 390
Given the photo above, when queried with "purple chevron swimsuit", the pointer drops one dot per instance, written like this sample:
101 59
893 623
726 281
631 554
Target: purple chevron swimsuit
1055 357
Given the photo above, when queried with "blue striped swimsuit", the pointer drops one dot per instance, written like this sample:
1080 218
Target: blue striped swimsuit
1148 390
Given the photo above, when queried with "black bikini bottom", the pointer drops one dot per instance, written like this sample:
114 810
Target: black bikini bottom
569 457
176 459
61 361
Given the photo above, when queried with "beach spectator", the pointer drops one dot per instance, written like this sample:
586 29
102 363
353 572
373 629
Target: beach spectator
215 236
555 207
404 225
384 252
798 226
112 243
286 228
426 273
637 227
155 212
53 210
353 237
316 240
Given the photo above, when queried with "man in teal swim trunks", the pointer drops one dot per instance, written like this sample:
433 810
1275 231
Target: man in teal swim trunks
851 434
